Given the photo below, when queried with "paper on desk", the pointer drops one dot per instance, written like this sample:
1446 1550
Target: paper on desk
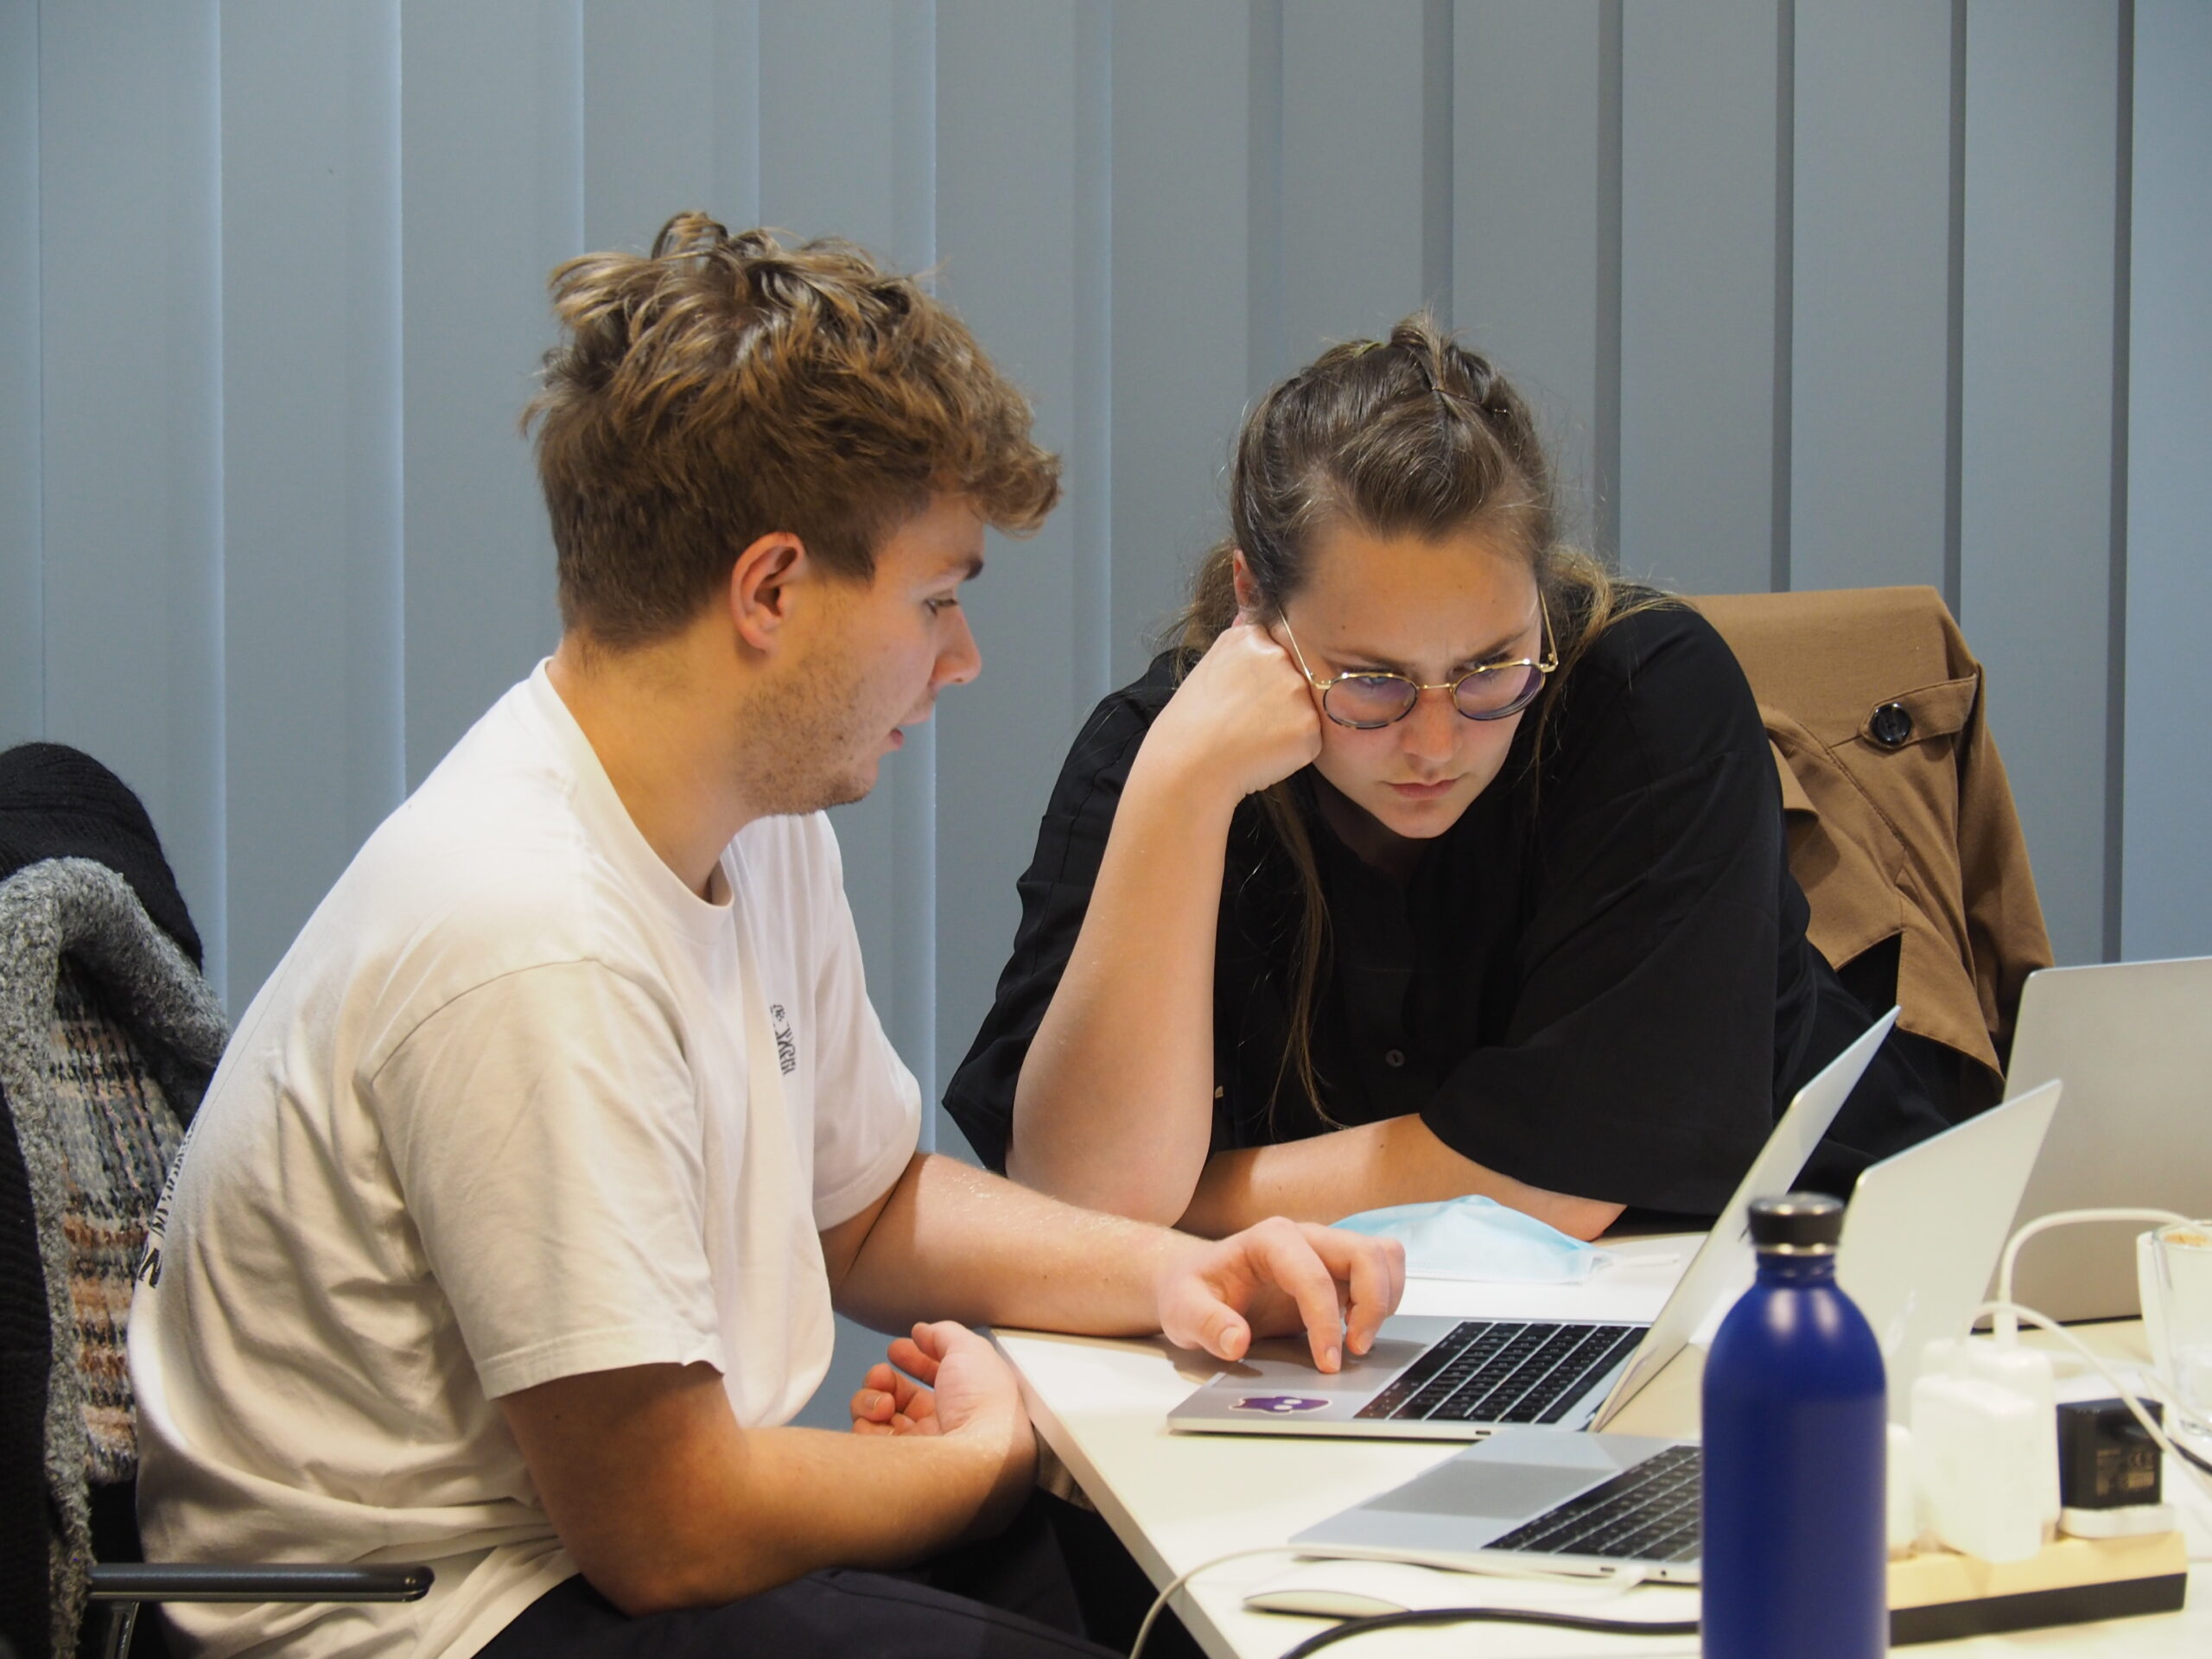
1480 1239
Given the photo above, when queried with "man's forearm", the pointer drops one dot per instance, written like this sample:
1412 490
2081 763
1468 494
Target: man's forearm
952 1241
1398 1161
664 1500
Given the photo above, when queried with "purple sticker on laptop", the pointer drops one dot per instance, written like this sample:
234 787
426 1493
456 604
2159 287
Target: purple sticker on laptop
1280 1404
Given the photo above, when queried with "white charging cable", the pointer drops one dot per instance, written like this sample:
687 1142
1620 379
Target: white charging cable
1625 1579
2006 1327
1160 1602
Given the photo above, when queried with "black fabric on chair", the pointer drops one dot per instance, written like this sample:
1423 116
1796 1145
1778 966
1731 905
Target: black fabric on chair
25 1354
57 802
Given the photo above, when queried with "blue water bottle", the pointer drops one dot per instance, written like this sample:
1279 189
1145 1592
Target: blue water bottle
1795 1440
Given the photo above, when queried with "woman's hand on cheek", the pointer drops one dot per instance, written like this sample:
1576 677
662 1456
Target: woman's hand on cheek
1243 717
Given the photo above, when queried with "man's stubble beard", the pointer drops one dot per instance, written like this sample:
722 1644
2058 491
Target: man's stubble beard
803 743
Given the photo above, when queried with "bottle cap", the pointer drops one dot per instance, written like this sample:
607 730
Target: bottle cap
1805 1223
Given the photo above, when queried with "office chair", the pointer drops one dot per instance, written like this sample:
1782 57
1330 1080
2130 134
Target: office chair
1902 828
108 1038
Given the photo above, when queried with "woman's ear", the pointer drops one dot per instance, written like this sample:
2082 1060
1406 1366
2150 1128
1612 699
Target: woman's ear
1248 590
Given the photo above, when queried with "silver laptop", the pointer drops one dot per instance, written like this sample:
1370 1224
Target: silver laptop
2133 1042
1924 1228
1918 1241
1445 1379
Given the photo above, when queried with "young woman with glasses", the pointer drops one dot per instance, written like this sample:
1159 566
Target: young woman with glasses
1432 860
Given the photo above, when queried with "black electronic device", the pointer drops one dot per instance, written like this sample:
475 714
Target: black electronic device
2105 1461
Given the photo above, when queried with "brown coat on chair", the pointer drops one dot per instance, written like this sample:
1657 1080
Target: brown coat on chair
1901 821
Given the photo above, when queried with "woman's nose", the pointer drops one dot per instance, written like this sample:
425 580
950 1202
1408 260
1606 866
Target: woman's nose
1432 729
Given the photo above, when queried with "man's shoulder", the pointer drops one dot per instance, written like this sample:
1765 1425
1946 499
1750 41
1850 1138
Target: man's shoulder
486 871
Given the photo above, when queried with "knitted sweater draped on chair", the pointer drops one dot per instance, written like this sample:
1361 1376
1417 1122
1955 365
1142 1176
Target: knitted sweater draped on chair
108 1038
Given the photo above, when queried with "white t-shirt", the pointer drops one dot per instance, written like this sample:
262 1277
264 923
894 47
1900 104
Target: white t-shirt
517 1105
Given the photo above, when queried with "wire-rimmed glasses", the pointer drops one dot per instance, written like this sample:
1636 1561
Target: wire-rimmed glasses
1368 699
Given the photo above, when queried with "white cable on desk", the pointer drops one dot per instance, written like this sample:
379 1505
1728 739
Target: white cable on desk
1626 1579
2006 1328
1160 1602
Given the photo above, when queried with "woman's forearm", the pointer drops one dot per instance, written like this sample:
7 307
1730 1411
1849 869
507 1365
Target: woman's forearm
1113 1109
1398 1161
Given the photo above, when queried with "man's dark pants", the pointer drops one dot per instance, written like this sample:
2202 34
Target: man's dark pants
1009 1597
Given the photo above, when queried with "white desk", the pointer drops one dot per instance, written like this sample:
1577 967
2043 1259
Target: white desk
1177 1500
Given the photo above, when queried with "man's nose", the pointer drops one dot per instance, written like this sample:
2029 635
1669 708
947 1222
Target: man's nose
959 662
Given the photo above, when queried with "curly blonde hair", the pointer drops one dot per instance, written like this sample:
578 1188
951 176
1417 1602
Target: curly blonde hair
724 387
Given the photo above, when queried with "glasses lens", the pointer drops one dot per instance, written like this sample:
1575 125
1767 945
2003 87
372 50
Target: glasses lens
1368 700
1494 693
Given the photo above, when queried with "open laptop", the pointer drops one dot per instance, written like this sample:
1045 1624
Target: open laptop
1920 1235
2133 1042
1445 1379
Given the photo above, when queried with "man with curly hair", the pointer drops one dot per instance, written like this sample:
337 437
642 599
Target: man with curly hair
508 1235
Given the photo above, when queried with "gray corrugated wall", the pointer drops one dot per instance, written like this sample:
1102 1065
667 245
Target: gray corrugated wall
1813 294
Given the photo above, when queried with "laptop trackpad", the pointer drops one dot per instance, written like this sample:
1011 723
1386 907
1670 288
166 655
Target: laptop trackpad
1518 1473
1507 1490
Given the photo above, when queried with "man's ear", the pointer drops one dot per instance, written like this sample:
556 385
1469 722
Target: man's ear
1247 591
761 587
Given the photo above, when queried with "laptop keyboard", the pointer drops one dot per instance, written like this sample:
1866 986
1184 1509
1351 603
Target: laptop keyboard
1648 1513
1505 1371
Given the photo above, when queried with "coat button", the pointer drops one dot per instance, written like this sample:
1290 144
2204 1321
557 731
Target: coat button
1394 1057
1892 725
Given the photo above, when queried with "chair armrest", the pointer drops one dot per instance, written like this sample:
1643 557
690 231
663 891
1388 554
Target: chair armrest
198 1581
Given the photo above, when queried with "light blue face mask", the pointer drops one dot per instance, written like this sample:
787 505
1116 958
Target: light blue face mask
1480 1239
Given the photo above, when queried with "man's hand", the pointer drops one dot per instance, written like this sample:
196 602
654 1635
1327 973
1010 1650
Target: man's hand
945 1380
1276 1278
890 1401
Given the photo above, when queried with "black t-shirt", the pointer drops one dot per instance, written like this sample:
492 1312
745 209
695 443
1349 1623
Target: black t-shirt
1597 981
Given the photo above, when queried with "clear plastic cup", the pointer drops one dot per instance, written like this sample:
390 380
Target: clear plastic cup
2176 1274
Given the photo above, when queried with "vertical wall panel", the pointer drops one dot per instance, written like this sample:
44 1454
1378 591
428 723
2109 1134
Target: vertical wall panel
132 513
2168 902
847 146
23 653
1181 125
1869 375
1698 250
847 122
498 83
671 116
311 473
1010 244
1353 252
1807 290
2036 509
1529 178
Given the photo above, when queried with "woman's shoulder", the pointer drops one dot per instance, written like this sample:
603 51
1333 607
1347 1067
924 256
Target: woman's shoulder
1106 745
1659 635
1125 714
1660 681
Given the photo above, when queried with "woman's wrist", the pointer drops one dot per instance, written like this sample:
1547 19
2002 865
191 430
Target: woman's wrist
1191 785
